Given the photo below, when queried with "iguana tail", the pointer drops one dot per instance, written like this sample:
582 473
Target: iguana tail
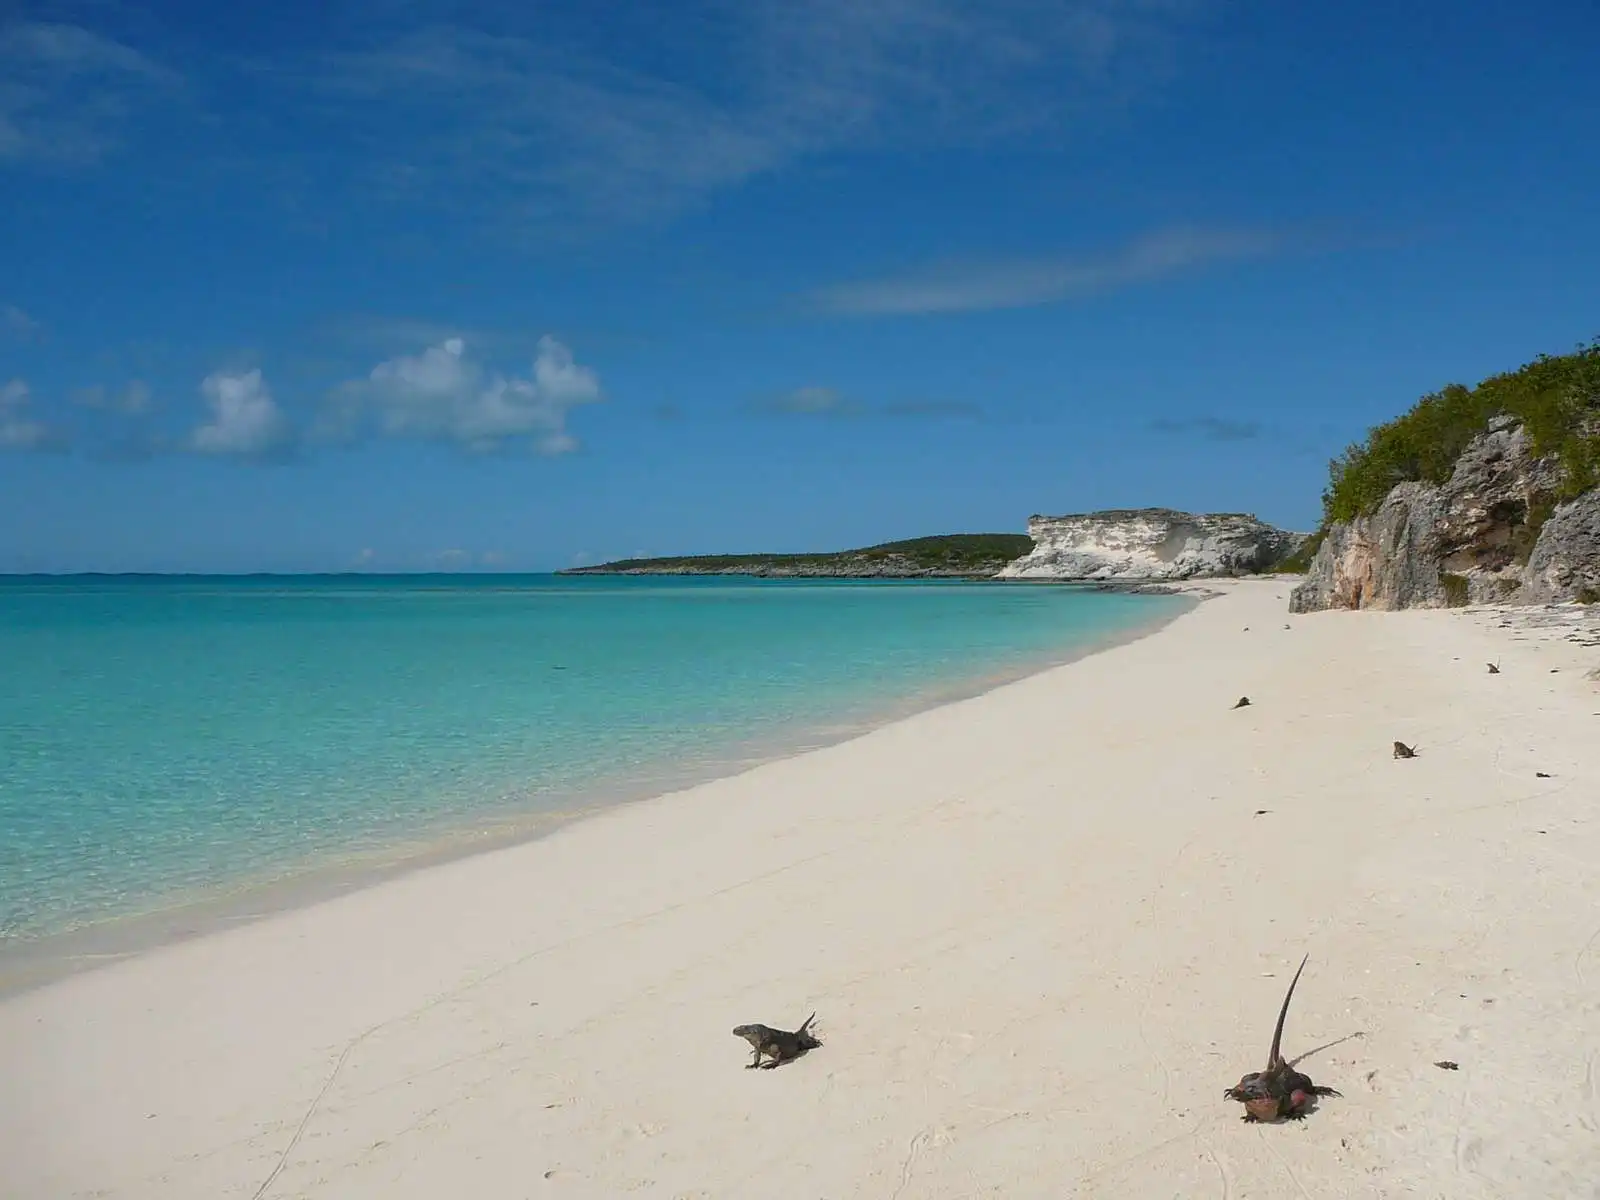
1274 1058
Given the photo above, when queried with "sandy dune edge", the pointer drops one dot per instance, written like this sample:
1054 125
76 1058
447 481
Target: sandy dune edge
1043 929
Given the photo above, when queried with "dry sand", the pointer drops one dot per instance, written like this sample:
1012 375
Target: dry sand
1043 929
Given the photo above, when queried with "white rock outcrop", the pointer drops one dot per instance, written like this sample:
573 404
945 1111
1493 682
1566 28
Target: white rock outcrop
1150 544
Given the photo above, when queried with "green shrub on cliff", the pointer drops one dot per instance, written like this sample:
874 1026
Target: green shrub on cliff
1557 398
1299 562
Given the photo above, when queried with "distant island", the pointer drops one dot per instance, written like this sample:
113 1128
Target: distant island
950 556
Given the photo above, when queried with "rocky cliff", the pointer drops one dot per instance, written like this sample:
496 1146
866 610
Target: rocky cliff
1150 544
1492 532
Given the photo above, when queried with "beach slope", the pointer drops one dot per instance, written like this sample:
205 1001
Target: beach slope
1042 929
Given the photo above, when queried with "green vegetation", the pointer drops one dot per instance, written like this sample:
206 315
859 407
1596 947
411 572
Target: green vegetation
1456 592
1556 398
1299 562
952 554
1525 535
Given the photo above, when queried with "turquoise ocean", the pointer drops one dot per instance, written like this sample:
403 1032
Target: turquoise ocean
164 739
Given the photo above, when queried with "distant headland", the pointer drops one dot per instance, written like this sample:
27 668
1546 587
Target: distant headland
950 556
1116 546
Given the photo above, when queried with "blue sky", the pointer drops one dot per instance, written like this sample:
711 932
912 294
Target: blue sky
403 285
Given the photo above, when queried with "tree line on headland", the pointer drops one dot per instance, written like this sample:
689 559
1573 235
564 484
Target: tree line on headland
956 555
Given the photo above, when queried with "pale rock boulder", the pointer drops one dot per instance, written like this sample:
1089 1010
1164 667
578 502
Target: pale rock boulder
1150 544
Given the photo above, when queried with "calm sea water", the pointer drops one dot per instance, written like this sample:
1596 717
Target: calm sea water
161 738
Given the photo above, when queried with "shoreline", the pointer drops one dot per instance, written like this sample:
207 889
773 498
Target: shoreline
29 963
1041 928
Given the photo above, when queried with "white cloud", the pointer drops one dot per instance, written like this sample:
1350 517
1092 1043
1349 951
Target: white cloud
18 430
1012 284
443 394
558 443
245 421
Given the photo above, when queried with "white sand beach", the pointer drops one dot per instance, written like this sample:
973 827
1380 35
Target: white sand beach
1042 929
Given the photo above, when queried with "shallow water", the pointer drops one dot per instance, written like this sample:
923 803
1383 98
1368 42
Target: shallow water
161 738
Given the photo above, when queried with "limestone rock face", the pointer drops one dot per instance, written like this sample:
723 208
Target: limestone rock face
1565 563
1489 534
1150 544
1387 560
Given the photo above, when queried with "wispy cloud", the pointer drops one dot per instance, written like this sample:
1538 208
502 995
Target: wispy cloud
976 286
742 89
132 400
445 395
810 402
246 422
19 429
370 331
830 402
1215 429
67 93
18 325
933 409
368 336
